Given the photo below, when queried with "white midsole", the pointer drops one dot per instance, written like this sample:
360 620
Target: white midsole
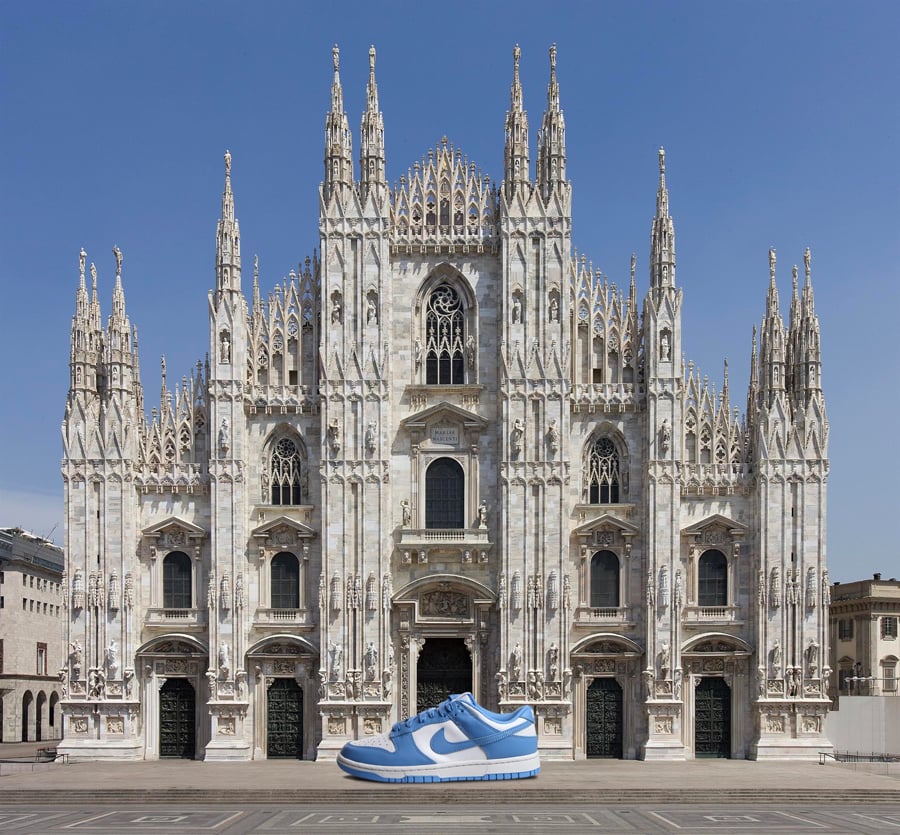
472 768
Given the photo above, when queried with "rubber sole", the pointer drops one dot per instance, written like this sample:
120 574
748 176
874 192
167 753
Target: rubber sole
420 774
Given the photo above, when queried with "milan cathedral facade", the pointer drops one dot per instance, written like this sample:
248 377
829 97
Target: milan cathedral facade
445 455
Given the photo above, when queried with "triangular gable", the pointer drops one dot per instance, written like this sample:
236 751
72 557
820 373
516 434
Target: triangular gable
281 524
607 522
736 529
420 420
160 528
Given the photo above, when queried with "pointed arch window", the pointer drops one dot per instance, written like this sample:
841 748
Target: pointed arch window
286 473
604 580
445 337
603 473
285 581
177 581
445 495
712 587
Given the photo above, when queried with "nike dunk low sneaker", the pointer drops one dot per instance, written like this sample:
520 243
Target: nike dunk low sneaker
457 740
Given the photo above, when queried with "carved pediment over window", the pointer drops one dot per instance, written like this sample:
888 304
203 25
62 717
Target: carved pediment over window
282 532
715 530
443 426
606 531
174 534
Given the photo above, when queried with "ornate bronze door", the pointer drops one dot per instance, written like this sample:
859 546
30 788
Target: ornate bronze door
712 718
444 668
177 719
284 723
604 719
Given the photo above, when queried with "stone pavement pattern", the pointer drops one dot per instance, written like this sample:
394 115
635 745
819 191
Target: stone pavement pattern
586 781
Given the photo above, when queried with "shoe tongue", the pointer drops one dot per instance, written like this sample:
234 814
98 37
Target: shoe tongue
468 698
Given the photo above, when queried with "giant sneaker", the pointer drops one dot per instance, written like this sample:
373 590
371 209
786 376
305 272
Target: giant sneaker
457 740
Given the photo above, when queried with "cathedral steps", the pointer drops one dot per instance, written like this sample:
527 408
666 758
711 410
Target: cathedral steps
286 783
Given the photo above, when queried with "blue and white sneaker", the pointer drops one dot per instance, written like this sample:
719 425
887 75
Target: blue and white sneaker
457 740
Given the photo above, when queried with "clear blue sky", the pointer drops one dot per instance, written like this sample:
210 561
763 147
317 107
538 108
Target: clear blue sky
780 122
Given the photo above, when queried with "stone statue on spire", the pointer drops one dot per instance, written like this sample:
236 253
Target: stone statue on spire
82 258
118 253
227 163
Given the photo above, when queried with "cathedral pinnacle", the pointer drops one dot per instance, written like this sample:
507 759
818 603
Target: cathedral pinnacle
662 235
371 147
228 239
552 140
338 150
515 91
515 156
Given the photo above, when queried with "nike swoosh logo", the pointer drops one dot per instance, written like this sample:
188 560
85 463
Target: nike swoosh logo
442 746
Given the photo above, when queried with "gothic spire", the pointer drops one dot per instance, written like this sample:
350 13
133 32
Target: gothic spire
338 142
552 141
371 148
808 357
228 240
662 235
515 167
772 341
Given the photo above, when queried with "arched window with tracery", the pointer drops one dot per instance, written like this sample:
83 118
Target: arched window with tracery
445 337
177 581
286 473
712 579
285 578
604 580
445 495
603 473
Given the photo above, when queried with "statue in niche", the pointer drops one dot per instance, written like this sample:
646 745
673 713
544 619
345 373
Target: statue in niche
500 678
370 437
554 309
96 684
224 662
553 436
470 351
553 662
75 659
812 658
665 347
223 437
371 659
515 663
776 659
482 514
663 658
224 347
337 661
371 311
112 659
516 436
665 436
516 309
336 310
407 513
334 441
419 351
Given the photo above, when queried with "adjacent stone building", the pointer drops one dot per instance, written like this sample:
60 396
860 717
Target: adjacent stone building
31 630
865 648
446 454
